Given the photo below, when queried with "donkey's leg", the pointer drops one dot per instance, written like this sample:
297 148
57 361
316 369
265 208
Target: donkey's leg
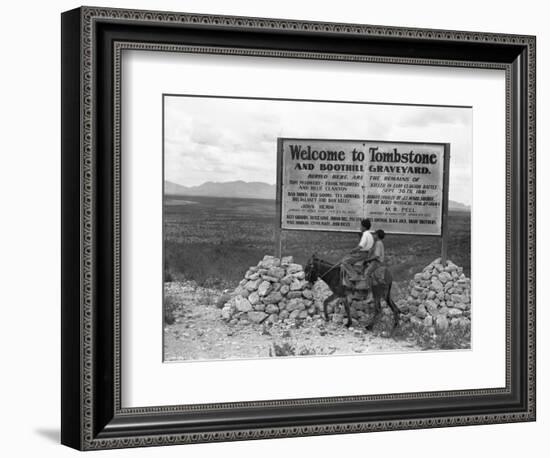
377 308
325 304
347 301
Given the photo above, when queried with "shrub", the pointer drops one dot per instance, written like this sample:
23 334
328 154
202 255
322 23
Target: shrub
286 349
168 276
456 337
170 309
307 351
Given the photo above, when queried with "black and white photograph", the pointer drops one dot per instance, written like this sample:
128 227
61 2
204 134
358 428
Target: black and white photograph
275 229
305 228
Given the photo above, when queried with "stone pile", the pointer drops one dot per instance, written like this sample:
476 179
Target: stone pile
438 298
273 290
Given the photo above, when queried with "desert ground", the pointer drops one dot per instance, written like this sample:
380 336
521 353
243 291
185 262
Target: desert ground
211 242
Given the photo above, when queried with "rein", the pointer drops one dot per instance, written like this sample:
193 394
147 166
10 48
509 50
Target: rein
333 267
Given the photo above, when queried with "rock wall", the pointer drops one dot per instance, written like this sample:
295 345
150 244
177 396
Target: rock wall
439 298
273 290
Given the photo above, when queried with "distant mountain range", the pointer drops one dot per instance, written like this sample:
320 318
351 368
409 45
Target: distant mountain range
242 189
246 190
458 206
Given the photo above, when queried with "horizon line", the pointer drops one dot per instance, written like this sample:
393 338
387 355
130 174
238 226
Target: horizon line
262 182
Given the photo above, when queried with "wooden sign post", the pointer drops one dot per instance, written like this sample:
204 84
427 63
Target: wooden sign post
278 200
445 204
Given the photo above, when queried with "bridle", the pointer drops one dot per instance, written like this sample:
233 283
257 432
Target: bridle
333 267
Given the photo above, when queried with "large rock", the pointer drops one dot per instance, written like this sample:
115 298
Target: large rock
252 285
294 268
436 285
257 317
269 261
461 305
284 314
431 307
276 272
254 298
454 313
295 304
458 298
241 291
441 324
287 280
421 312
273 298
461 322
250 275
260 307
297 285
242 304
272 308
264 288
226 313
451 267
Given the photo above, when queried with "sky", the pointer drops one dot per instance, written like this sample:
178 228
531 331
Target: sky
228 139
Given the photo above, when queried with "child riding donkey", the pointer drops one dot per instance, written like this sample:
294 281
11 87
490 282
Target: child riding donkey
370 251
344 281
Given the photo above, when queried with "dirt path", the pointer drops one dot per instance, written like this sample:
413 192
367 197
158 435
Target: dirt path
199 333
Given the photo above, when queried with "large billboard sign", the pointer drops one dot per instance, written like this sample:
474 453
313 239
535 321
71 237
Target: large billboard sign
330 185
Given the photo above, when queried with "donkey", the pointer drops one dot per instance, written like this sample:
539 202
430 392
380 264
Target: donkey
330 273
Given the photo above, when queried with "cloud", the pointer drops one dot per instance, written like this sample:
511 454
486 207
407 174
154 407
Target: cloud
223 139
435 116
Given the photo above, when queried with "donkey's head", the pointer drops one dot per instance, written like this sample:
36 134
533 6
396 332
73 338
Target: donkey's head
310 269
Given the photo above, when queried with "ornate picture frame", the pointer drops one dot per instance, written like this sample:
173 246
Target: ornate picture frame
93 416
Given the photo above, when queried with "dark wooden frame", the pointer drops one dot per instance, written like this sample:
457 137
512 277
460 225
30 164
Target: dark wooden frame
92 39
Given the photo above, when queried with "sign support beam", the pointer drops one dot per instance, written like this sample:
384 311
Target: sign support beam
278 201
445 205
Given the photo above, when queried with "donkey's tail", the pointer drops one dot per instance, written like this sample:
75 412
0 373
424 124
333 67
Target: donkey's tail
395 309
390 301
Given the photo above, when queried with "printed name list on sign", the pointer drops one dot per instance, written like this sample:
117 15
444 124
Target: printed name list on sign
331 185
